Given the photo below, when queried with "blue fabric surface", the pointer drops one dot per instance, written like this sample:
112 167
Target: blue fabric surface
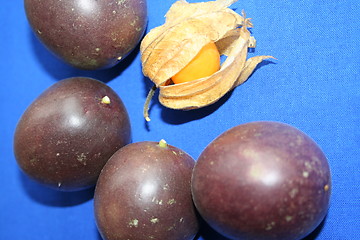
314 85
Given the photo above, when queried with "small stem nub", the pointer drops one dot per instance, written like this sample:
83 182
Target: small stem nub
147 103
105 100
163 143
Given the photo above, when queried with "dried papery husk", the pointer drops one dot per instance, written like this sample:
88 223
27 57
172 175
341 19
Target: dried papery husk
167 49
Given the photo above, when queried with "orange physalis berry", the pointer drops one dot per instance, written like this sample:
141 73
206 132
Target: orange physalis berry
204 64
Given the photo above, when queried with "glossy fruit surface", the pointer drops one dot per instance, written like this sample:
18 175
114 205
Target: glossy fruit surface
264 181
88 34
68 133
144 192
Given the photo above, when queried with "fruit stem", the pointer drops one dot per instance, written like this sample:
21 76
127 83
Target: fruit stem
105 100
163 143
147 103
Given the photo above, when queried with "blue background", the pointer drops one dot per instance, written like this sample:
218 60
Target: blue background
314 85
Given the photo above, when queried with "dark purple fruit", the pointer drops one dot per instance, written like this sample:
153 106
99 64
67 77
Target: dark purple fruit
263 181
68 133
88 34
143 192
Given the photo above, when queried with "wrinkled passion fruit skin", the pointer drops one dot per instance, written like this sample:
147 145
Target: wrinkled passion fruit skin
262 180
144 192
67 134
88 34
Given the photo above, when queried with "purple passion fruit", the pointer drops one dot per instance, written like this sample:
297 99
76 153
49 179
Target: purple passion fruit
88 34
264 181
68 133
144 192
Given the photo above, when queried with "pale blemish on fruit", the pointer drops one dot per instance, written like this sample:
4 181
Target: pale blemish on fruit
154 220
308 165
134 223
166 187
293 192
33 161
133 23
171 201
299 140
82 158
119 2
270 226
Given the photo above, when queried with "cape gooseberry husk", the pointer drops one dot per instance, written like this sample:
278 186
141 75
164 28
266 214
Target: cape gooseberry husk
169 48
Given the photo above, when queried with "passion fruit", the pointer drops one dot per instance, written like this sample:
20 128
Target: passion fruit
144 192
68 133
88 34
264 181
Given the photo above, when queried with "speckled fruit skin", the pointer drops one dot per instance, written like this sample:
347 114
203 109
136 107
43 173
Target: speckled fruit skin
88 34
67 134
262 181
144 192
